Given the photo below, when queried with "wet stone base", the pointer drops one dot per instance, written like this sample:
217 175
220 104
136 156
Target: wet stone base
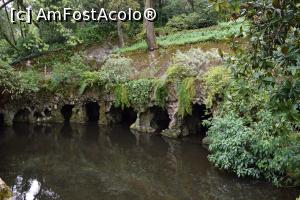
150 119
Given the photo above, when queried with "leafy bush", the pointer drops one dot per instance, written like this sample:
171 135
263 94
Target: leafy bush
117 69
92 33
216 79
17 83
91 80
186 93
31 44
191 21
139 91
262 150
30 80
196 59
68 74
180 72
9 80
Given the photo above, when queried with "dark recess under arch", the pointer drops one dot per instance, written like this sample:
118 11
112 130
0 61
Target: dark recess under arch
194 122
67 112
92 111
161 118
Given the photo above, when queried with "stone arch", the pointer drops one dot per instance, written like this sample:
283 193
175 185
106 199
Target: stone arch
126 116
23 115
67 111
193 123
92 111
161 119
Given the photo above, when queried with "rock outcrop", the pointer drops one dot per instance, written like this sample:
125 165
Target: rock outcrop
5 191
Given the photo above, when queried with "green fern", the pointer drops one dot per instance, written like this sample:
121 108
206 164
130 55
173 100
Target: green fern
121 96
160 92
186 93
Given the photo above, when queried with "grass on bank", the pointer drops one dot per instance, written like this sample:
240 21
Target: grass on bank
214 33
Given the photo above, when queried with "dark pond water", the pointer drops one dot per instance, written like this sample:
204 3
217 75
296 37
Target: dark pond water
88 162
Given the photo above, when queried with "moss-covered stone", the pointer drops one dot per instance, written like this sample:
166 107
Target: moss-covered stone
143 122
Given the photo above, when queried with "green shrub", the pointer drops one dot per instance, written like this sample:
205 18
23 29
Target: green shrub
180 73
186 93
9 79
31 44
31 80
216 79
139 91
68 74
261 150
91 80
191 21
117 69
196 60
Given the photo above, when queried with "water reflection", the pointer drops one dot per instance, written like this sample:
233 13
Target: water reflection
79 162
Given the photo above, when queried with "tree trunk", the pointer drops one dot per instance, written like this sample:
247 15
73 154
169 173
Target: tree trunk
120 33
192 4
149 26
10 26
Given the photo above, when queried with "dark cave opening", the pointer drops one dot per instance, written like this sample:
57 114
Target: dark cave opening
92 111
47 112
37 115
128 116
1 119
67 111
161 118
193 122
22 116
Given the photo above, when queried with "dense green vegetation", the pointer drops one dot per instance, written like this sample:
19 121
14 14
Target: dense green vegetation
253 93
215 33
255 129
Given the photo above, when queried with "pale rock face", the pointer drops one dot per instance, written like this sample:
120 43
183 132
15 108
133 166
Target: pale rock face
34 190
5 192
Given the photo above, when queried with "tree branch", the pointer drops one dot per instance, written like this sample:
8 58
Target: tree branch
5 4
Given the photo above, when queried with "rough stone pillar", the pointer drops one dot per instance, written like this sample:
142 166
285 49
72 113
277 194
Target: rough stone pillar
143 122
175 127
102 112
5 191
31 118
56 115
8 117
78 114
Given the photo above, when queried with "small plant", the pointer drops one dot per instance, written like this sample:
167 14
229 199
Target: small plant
186 93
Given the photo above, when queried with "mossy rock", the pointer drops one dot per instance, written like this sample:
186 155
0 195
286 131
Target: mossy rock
171 133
